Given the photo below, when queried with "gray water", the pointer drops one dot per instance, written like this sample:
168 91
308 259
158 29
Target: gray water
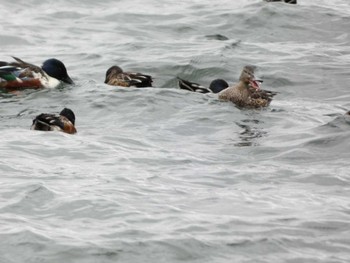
164 175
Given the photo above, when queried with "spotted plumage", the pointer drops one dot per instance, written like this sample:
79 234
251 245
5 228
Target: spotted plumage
115 76
247 93
64 122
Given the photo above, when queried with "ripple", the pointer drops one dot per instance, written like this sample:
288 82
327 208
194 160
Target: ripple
162 174
7 40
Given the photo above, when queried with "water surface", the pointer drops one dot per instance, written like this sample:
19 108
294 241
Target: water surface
164 175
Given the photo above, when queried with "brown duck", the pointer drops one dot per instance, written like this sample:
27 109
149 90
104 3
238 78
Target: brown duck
247 93
115 76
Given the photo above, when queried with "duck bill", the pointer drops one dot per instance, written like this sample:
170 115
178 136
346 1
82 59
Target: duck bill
68 80
255 84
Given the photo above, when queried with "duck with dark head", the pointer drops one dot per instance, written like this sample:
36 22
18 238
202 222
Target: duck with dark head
19 74
286 1
64 122
215 86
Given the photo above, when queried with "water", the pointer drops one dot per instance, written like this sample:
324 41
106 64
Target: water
164 175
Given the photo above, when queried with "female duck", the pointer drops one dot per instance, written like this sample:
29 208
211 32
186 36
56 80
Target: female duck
247 93
115 76
51 122
21 75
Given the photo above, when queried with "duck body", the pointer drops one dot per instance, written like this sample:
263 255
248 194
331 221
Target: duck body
286 1
115 76
21 75
247 93
215 86
64 122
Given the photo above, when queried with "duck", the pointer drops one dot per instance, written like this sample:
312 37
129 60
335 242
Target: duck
247 93
63 122
215 86
21 75
286 1
115 76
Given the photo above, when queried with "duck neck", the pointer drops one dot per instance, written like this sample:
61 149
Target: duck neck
243 89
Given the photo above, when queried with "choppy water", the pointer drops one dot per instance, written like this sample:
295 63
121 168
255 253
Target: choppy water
163 175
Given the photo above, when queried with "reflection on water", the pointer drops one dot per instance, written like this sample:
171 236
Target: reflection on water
250 133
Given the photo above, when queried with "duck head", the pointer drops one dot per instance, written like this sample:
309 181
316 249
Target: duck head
56 69
218 85
247 77
69 114
112 72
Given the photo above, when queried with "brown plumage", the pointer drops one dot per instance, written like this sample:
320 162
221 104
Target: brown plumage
115 76
25 78
246 93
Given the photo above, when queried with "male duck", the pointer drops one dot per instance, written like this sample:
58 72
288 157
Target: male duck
247 93
115 76
51 122
215 86
20 74
286 1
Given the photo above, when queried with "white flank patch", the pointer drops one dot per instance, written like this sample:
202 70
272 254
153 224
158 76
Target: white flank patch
47 81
